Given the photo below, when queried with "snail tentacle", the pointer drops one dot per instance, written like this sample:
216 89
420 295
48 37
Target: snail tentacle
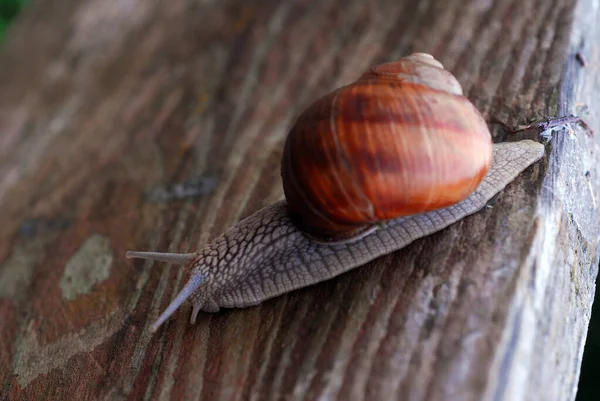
192 285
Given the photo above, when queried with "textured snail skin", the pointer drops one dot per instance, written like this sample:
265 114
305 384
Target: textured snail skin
266 255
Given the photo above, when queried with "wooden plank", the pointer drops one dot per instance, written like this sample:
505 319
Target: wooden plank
104 103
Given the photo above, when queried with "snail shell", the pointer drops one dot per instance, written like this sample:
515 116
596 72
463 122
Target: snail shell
396 156
400 140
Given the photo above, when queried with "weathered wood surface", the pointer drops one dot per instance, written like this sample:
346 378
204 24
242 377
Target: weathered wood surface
104 103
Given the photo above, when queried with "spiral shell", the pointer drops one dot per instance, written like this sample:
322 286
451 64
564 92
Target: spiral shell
401 140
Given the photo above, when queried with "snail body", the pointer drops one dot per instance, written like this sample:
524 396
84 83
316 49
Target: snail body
396 156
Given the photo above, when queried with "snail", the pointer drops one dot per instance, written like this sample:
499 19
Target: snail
367 169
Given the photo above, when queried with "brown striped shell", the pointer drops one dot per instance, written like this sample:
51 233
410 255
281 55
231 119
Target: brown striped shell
401 140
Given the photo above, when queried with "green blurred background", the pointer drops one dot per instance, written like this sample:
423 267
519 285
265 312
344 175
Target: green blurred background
8 11
589 385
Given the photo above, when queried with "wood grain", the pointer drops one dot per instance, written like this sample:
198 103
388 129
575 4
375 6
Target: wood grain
105 103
